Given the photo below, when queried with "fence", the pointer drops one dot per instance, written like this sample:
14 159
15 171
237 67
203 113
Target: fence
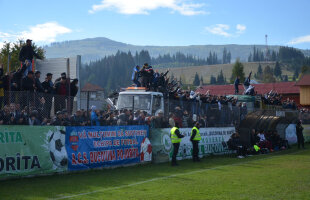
43 105
208 114
185 113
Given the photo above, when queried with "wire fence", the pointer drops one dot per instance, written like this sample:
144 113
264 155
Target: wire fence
43 104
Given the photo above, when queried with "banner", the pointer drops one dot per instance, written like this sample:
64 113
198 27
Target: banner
306 132
107 146
211 143
32 150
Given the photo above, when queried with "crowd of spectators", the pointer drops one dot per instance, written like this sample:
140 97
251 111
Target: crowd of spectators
275 99
261 142
27 100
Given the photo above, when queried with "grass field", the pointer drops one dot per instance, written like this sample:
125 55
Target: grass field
280 175
188 73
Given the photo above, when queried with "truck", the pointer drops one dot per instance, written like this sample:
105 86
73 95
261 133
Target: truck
138 98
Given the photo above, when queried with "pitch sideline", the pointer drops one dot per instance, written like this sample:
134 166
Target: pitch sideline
167 177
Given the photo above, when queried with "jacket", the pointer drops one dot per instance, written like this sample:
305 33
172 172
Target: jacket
27 53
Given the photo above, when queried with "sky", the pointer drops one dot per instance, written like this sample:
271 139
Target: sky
158 22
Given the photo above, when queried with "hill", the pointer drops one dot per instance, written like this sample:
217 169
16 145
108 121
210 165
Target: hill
188 73
95 48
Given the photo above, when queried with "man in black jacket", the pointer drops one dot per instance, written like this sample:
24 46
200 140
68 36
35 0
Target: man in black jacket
73 91
27 53
28 86
48 94
300 136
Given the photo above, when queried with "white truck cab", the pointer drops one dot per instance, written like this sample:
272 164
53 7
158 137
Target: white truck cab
137 98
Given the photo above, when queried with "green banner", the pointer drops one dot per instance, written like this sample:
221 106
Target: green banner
211 143
306 132
32 150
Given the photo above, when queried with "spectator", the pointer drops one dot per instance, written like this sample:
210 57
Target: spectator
38 84
94 119
300 136
48 88
158 121
62 91
135 76
27 53
33 120
234 143
58 119
77 119
236 84
73 92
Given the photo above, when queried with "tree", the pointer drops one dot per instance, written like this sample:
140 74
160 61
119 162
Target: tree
305 69
277 70
13 50
237 71
259 74
212 80
201 80
285 78
268 75
196 81
220 78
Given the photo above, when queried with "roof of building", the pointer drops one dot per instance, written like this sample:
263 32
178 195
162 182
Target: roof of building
88 87
281 88
304 80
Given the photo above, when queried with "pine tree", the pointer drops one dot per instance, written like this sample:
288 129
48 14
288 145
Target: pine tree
268 75
196 81
259 74
201 80
212 80
277 70
237 71
220 78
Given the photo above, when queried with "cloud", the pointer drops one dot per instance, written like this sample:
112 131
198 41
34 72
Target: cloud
224 30
219 29
46 32
41 33
300 40
133 7
240 28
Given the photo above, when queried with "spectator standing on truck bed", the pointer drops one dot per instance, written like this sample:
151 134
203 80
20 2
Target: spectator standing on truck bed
27 53
135 76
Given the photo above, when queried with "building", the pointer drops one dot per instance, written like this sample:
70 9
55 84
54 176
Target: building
92 95
286 89
304 85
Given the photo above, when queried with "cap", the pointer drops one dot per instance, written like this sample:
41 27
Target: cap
28 40
63 74
49 74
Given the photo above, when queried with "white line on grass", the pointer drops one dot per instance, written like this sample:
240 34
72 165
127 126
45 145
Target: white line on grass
165 177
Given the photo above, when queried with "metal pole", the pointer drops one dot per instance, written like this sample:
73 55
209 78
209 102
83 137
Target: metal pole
8 70
68 82
87 103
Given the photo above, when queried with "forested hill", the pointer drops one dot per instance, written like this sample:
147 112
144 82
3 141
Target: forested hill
95 48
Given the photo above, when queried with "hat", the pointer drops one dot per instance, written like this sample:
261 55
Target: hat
63 74
28 40
93 108
49 74
37 72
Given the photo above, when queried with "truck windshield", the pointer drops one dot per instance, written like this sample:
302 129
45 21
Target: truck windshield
141 101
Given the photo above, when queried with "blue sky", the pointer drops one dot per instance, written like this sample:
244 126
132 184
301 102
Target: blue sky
158 22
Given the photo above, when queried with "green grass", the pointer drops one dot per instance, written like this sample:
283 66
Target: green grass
281 175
